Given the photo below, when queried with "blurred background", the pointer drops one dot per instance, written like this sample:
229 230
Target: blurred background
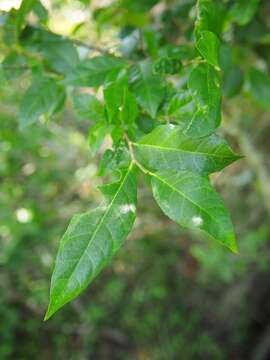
168 294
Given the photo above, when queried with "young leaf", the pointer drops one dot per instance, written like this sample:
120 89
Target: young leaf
190 200
87 106
209 46
93 72
91 240
168 148
147 87
44 97
205 86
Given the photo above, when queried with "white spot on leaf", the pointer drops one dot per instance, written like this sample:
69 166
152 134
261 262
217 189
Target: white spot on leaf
197 221
126 208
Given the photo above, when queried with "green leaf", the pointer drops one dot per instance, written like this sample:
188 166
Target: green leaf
40 10
113 96
93 72
209 47
233 80
168 148
25 7
14 65
113 160
190 200
87 106
210 17
91 240
129 110
260 87
59 53
147 87
97 134
44 97
205 86
243 11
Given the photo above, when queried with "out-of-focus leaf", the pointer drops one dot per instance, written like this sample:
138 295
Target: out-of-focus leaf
92 239
168 148
147 87
243 11
209 47
93 72
260 87
233 80
14 65
40 10
58 52
25 7
190 200
44 97
167 66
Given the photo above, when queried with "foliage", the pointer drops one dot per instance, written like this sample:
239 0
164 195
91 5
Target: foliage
159 101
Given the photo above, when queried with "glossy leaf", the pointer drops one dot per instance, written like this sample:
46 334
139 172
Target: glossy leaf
168 148
44 97
92 239
93 72
190 200
87 106
209 47
147 87
205 86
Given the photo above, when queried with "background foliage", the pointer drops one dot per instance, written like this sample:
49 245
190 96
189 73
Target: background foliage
168 293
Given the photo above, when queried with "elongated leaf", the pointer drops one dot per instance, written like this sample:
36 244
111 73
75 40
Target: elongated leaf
147 87
44 97
209 46
168 148
190 200
113 96
91 240
205 86
88 107
93 72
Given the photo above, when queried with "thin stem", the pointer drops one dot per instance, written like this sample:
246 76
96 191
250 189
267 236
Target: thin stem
133 157
90 47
